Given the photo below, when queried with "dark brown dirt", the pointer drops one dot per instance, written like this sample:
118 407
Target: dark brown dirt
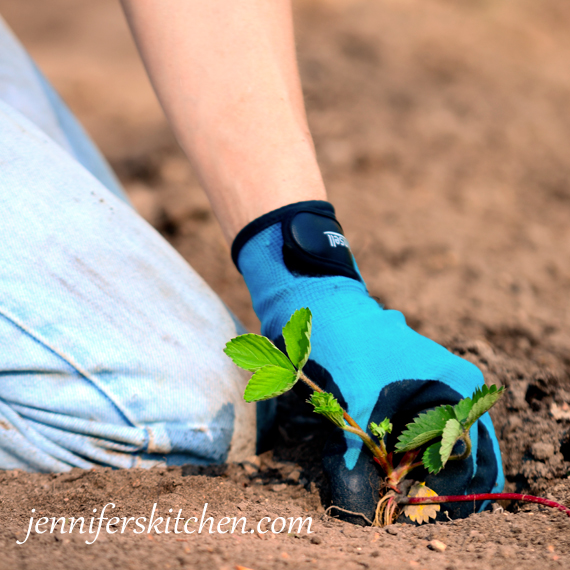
443 131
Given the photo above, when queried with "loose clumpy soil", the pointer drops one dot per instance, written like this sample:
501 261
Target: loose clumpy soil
443 131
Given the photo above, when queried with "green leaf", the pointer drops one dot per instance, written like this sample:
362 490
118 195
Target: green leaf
451 433
327 405
424 428
380 430
462 409
432 458
297 335
483 400
252 352
268 382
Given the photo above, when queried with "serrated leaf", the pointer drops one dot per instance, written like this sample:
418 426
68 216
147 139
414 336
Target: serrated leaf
421 513
297 336
432 458
462 409
269 382
483 400
451 433
424 428
327 405
253 351
380 430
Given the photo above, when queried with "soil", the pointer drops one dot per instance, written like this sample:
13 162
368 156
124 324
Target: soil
443 132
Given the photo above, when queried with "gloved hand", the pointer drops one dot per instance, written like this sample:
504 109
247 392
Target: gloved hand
366 356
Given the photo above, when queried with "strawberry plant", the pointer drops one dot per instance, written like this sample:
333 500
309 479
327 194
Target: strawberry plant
275 373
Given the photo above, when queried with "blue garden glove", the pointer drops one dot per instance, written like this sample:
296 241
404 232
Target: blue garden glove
366 356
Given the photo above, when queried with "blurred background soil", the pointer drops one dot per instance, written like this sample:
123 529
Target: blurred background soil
443 131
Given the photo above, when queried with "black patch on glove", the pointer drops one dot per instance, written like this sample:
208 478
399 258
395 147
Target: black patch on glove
314 245
313 241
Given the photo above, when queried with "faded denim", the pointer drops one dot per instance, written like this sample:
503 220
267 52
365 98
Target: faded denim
110 344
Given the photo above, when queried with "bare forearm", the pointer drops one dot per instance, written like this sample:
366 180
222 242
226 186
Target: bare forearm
226 75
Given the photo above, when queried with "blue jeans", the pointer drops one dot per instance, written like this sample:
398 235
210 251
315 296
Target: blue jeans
110 344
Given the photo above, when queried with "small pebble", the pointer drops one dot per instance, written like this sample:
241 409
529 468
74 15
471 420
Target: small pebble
279 487
251 465
249 469
316 540
391 530
254 460
294 476
437 545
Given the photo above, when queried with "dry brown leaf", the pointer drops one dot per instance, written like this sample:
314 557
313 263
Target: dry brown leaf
421 513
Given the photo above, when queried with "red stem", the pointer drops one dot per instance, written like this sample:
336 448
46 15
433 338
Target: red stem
386 467
483 497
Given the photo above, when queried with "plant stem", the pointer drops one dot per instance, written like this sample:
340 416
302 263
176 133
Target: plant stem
407 464
482 497
309 382
379 453
316 388
371 445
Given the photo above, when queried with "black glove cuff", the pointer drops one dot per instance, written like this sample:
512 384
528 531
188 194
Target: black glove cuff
313 242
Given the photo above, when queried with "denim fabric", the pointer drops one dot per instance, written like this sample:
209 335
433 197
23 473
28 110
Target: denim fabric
23 87
111 346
